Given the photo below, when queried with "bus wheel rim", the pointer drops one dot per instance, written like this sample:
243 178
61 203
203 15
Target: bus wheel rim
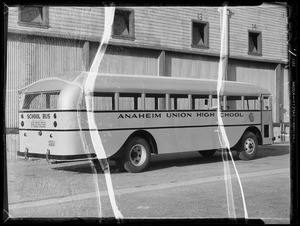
137 155
249 146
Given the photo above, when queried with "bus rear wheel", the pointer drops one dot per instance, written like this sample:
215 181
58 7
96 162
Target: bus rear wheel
207 153
137 155
249 146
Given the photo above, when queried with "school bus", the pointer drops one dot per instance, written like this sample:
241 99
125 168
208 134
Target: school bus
140 116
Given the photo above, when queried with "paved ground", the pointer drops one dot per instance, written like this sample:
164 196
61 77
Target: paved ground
175 186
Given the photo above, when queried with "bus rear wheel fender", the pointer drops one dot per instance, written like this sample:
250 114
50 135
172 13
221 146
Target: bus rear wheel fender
137 155
249 146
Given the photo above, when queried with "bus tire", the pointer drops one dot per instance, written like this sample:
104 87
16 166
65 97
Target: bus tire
249 146
137 155
207 153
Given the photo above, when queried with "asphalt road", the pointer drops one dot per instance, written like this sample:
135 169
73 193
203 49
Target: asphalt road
174 186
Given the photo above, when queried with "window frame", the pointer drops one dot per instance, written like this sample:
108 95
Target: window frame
205 44
45 18
259 43
131 18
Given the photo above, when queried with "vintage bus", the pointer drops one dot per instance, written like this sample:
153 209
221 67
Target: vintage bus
140 116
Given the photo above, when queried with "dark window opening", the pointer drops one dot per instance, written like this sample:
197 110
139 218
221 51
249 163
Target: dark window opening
123 25
266 130
199 34
36 16
255 45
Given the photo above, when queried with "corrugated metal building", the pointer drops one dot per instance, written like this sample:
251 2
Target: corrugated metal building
163 41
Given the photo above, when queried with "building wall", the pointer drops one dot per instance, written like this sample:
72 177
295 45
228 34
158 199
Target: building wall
170 27
191 65
125 60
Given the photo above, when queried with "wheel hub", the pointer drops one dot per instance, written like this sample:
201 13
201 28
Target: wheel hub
249 146
137 155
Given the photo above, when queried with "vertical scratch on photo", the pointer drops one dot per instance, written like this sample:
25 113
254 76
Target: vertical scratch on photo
221 130
88 91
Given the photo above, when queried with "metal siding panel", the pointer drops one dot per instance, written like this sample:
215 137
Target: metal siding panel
129 61
162 27
191 66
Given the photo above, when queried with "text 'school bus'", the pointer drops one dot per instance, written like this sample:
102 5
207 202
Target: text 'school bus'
141 116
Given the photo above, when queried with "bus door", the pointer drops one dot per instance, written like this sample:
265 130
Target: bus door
266 119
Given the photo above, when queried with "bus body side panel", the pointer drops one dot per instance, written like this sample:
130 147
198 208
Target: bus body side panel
175 131
194 139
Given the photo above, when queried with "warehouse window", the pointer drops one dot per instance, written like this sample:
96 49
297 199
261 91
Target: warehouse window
34 16
254 43
200 34
123 26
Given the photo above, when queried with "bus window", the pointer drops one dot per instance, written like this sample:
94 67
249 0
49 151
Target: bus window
41 101
251 103
128 101
200 102
214 102
179 102
234 103
153 102
103 101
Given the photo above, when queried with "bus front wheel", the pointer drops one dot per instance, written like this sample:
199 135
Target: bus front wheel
249 146
137 155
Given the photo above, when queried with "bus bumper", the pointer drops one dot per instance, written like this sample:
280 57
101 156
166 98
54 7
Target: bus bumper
26 154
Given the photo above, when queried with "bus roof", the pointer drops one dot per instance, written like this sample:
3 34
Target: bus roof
145 84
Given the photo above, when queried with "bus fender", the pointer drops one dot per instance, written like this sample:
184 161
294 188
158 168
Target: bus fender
252 129
143 134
